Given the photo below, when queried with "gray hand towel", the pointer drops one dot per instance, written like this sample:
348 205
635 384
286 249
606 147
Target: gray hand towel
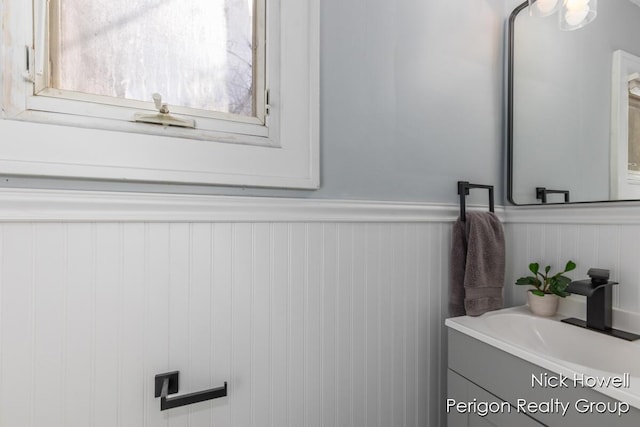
477 265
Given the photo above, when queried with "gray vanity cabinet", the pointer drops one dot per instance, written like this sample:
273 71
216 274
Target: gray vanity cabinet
463 390
479 372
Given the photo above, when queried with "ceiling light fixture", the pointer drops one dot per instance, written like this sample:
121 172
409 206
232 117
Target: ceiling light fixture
573 14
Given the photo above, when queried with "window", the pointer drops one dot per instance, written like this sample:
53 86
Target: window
174 91
205 58
625 107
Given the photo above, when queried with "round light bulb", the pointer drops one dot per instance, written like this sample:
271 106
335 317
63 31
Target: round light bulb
543 8
575 5
546 7
574 18
577 13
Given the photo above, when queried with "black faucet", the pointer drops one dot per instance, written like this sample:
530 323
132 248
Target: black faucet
599 304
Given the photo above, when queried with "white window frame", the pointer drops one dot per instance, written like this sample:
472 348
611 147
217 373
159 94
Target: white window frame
285 154
623 183
210 124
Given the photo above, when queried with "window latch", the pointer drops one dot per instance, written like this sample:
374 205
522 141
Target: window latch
267 105
162 108
27 74
163 117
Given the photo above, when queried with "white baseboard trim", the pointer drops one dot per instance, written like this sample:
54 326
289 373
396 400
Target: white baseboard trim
31 205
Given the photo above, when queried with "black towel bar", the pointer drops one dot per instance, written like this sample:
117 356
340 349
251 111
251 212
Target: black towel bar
463 191
167 384
541 193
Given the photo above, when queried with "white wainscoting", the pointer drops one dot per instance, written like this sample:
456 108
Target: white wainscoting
312 323
604 236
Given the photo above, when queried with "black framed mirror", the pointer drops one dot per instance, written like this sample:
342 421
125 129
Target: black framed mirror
573 119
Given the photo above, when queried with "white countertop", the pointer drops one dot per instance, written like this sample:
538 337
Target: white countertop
562 348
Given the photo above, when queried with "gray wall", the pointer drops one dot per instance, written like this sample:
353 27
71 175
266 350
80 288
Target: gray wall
411 102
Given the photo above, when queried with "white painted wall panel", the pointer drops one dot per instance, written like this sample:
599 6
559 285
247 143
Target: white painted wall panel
374 310
312 324
221 302
157 348
279 346
18 354
629 297
262 381
179 314
107 327
131 352
48 317
611 246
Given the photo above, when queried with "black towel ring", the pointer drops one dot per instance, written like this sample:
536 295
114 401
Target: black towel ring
463 191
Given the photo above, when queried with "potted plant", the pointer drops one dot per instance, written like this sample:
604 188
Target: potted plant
547 289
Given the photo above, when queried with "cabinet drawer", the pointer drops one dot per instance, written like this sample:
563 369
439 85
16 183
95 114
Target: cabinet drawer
498 414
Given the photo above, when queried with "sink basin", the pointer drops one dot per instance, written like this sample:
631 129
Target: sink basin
567 342
559 347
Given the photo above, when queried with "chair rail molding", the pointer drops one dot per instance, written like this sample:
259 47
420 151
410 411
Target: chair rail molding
35 205
588 213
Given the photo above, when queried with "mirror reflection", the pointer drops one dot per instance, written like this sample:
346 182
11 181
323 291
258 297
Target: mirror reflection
574 132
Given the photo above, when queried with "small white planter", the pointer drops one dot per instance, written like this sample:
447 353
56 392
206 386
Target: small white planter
543 306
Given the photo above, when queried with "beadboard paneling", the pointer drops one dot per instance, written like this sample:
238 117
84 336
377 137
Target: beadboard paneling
611 246
311 323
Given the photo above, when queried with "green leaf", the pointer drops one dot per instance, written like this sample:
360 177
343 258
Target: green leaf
537 292
547 269
562 282
529 280
533 267
559 285
570 266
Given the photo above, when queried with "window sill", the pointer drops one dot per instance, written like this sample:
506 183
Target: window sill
41 149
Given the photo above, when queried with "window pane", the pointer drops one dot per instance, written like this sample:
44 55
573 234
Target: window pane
196 53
